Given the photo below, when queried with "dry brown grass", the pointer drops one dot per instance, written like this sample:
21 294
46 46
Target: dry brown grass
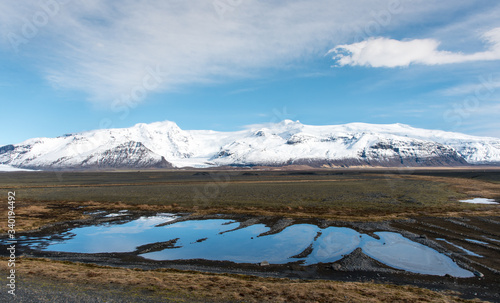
224 287
371 197
471 187
35 214
31 215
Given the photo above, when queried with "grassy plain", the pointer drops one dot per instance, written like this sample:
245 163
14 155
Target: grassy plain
369 195
342 195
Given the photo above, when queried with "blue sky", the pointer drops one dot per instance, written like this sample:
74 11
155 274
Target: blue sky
74 65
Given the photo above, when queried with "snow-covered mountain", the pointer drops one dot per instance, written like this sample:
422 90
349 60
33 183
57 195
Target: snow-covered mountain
164 144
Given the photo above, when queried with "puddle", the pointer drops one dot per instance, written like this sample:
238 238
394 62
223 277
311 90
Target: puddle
491 239
334 243
468 252
241 246
476 241
106 238
114 215
96 212
480 201
222 240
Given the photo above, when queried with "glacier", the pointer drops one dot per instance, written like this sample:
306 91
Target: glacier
166 145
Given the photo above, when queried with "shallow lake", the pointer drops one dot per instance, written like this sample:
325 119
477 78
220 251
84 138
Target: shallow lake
223 240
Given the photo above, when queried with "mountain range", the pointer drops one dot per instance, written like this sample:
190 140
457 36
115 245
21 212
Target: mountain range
165 145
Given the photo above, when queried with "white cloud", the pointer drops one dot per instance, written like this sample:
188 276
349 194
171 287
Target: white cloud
105 48
384 52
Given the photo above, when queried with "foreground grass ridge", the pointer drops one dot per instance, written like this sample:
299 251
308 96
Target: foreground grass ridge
187 286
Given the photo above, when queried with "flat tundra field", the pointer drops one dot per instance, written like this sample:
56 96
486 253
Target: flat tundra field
422 204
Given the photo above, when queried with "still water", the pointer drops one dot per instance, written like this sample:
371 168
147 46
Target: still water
221 239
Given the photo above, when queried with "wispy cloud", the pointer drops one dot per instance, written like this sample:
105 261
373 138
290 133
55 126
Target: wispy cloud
490 128
242 90
385 52
107 48
104 48
484 87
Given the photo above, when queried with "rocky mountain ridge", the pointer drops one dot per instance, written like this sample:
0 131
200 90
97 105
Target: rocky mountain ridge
165 145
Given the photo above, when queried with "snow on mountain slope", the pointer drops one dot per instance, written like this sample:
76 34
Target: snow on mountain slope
291 142
475 150
8 168
164 144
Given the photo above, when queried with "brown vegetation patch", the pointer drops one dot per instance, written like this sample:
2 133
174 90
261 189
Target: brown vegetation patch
351 196
32 215
471 187
192 286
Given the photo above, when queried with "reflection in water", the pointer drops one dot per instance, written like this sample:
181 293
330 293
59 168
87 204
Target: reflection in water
468 252
243 245
397 251
333 244
220 239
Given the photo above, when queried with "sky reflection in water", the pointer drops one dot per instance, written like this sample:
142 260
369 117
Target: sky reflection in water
218 239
